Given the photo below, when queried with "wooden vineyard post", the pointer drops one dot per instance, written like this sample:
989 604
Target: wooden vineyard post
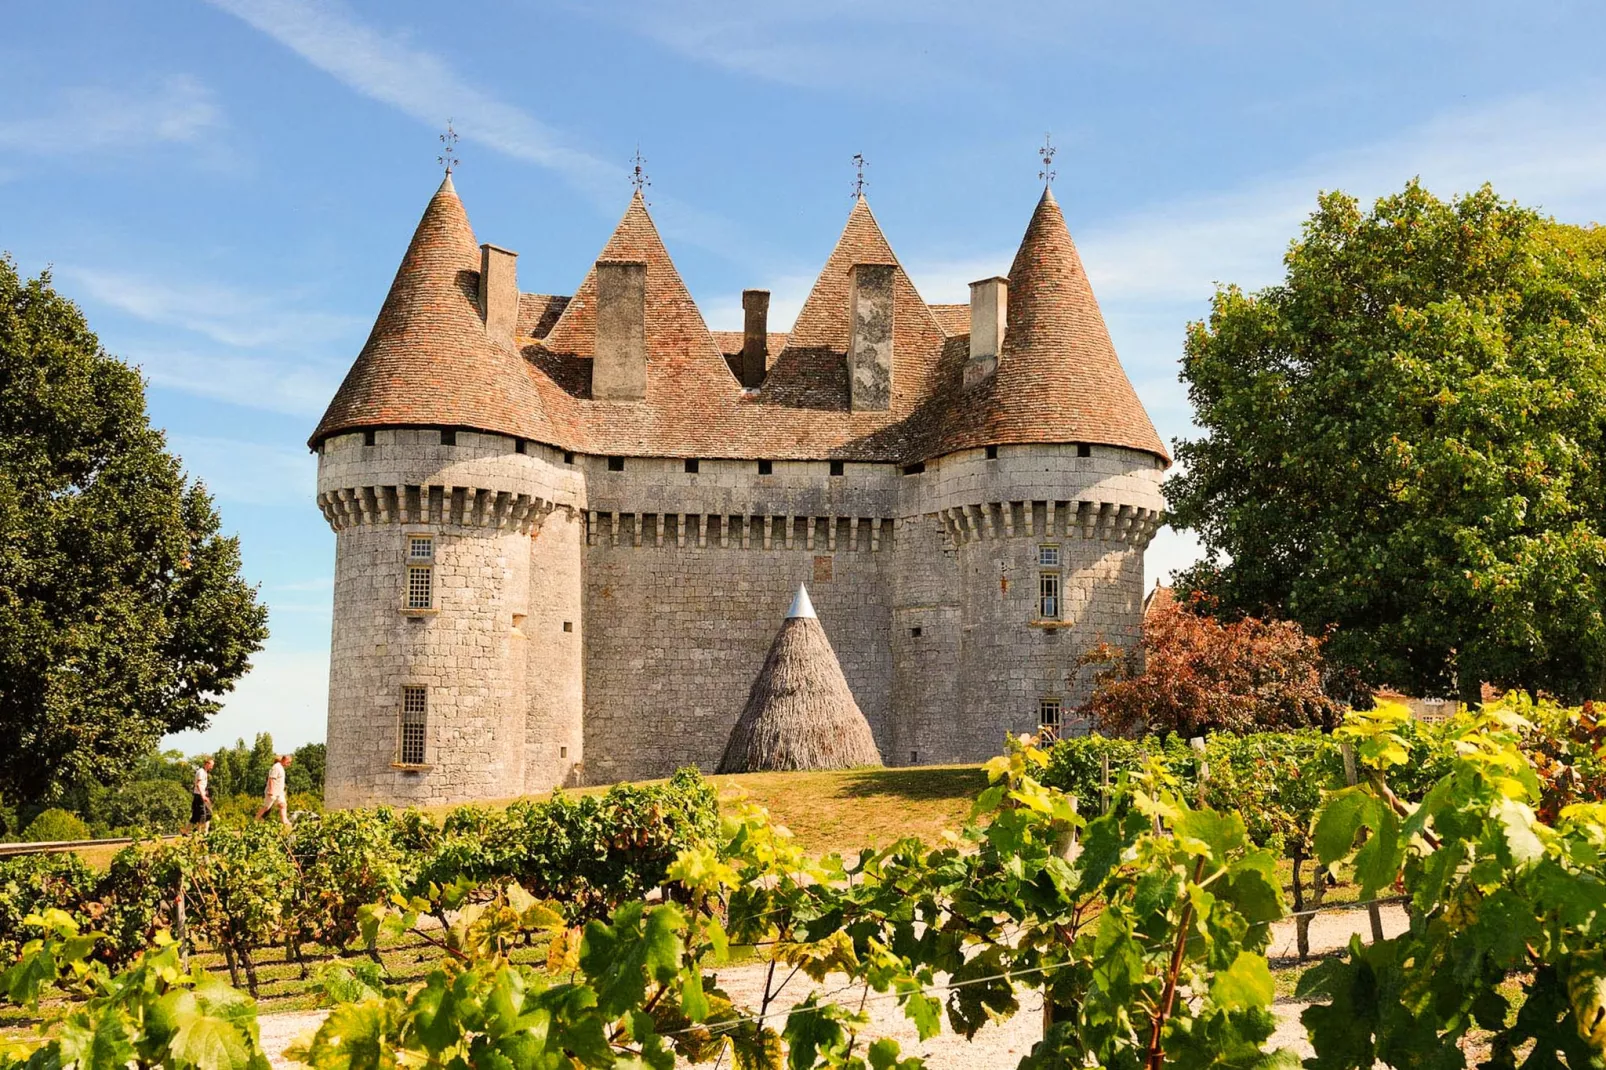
1351 777
179 924
1104 783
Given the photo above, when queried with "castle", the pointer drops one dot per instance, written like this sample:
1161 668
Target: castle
566 526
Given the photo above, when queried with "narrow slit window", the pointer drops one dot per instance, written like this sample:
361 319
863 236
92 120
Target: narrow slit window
1084 450
837 468
1050 717
1048 596
692 465
992 453
766 468
420 587
368 437
414 725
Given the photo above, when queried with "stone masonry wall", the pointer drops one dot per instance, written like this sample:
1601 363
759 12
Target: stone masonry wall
480 500
598 624
553 634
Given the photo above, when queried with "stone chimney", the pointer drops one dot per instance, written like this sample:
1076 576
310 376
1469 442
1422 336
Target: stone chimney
755 336
499 292
619 367
870 337
989 301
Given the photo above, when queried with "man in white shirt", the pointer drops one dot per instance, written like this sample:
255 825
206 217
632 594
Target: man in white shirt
201 798
273 794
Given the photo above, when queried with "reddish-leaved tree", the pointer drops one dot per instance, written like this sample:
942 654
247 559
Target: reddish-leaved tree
1200 675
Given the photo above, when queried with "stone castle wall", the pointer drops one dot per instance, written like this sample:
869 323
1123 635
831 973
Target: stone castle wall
672 583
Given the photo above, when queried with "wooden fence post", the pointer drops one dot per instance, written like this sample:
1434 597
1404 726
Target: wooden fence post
1352 777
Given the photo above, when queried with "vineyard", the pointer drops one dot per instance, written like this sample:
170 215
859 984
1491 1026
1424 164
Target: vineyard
1131 884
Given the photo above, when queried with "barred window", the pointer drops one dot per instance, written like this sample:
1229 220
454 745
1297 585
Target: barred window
420 588
415 715
1050 717
1048 596
421 547
1048 556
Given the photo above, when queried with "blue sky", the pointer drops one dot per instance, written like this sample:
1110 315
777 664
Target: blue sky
227 187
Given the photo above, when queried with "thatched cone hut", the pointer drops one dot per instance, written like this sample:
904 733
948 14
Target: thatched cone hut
800 713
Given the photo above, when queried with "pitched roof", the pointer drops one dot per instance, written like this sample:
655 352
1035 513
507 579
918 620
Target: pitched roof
800 713
1058 378
953 319
428 359
811 371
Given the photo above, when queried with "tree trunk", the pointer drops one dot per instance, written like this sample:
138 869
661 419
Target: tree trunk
250 972
234 969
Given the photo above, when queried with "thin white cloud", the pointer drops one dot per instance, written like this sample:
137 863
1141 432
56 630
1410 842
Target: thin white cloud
805 44
273 374
93 119
251 472
322 583
286 693
282 386
390 69
1546 150
221 313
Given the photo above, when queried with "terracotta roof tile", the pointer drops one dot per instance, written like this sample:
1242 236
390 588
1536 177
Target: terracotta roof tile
429 361
1058 378
953 319
538 313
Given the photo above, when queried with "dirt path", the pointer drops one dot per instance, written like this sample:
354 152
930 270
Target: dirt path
999 1044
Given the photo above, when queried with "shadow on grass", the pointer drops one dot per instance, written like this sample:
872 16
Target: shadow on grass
917 784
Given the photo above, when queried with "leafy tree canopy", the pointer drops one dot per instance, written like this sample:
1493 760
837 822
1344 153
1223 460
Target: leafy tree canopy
123 614
1404 441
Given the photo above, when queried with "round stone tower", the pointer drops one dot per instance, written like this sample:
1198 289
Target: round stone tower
1045 486
441 533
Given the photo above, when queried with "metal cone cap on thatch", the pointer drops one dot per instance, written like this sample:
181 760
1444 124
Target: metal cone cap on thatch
800 713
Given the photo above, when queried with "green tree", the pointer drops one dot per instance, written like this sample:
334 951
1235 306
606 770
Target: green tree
1403 441
123 615
306 772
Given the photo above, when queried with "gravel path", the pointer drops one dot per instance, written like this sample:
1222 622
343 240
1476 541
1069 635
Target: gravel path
999 1044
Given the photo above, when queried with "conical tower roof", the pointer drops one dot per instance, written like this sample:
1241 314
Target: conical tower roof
800 713
1058 378
429 360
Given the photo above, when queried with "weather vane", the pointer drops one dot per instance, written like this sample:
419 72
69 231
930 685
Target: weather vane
858 177
638 174
1047 153
448 156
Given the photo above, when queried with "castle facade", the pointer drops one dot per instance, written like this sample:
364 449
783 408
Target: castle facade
566 526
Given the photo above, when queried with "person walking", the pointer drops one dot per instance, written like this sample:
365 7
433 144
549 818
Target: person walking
273 794
201 798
